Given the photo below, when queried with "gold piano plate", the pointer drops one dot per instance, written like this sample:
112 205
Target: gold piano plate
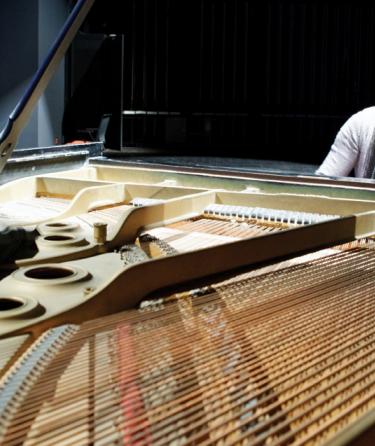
196 317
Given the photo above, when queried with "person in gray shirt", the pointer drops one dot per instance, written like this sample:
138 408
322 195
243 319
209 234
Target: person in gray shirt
353 148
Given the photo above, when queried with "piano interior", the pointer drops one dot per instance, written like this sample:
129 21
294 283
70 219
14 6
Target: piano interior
169 311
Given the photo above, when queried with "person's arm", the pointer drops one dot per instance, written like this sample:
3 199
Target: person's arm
344 152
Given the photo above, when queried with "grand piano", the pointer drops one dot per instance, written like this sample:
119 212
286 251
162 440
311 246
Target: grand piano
170 303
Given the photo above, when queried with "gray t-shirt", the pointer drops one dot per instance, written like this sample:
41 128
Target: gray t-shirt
353 148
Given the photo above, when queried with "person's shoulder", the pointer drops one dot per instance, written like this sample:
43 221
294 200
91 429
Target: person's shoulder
367 113
361 123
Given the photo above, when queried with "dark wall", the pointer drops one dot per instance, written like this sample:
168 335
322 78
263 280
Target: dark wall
28 29
270 79
19 60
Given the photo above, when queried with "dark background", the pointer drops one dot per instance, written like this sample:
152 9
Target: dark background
262 80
